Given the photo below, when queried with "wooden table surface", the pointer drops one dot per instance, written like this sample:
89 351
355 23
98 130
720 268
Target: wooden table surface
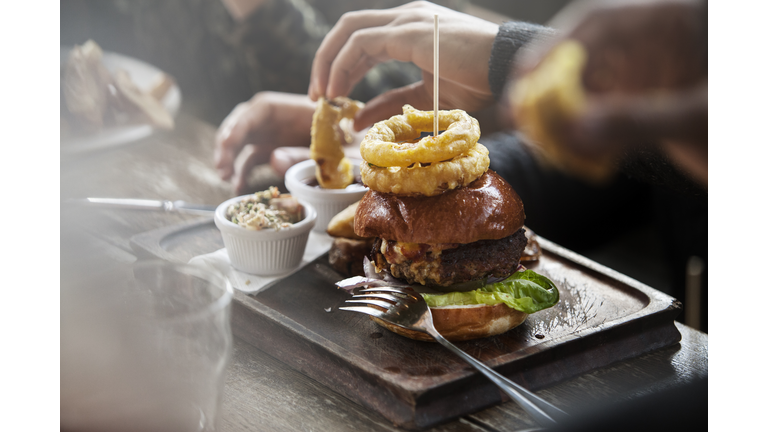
262 393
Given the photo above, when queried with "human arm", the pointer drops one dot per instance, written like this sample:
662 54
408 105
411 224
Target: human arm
256 128
271 127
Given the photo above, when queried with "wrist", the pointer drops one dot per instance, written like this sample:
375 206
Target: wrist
512 36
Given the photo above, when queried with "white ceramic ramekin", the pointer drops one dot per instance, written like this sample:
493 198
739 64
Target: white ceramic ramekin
328 202
265 252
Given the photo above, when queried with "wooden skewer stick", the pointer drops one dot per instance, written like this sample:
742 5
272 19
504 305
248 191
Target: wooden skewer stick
436 78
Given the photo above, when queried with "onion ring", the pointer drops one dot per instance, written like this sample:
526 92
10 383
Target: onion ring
334 171
383 145
550 98
432 179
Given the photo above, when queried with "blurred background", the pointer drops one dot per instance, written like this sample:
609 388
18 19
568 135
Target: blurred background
220 56
219 62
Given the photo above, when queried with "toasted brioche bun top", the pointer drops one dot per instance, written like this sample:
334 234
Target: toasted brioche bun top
460 323
486 209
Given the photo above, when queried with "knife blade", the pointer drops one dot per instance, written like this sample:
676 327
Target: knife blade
167 206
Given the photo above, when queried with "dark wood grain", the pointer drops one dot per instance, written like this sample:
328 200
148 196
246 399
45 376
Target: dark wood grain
650 373
261 394
602 317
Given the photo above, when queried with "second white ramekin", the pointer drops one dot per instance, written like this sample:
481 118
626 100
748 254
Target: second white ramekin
328 202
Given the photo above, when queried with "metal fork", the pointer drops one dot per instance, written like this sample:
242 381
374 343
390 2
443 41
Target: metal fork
406 308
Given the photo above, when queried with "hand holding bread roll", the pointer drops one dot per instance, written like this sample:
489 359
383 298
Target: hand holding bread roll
622 75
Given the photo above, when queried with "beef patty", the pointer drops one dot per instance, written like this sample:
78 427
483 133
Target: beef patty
449 264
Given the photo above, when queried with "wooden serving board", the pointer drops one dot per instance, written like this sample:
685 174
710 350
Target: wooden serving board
602 317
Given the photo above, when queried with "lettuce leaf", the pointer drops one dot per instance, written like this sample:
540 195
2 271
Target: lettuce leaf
526 291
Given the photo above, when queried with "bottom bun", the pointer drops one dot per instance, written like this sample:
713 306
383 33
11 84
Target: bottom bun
460 323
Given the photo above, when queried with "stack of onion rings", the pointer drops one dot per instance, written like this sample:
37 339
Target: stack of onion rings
396 163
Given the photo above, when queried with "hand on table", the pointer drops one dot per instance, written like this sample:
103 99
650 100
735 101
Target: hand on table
361 39
271 127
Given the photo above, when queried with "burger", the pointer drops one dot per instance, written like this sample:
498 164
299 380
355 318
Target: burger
462 236
462 248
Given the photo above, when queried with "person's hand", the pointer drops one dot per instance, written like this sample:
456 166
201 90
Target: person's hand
239 10
645 78
255 129
361 39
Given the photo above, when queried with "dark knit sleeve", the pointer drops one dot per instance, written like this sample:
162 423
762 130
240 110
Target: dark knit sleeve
511 37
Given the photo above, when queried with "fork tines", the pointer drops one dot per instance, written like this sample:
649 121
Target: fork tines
389 297
375 299
382 304
364 309
379 297
400 293
403 290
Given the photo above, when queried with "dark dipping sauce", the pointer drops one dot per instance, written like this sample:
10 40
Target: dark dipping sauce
312 181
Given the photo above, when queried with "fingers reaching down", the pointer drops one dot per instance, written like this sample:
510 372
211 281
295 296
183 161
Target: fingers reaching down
286 157
335 40
362 39
230 139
